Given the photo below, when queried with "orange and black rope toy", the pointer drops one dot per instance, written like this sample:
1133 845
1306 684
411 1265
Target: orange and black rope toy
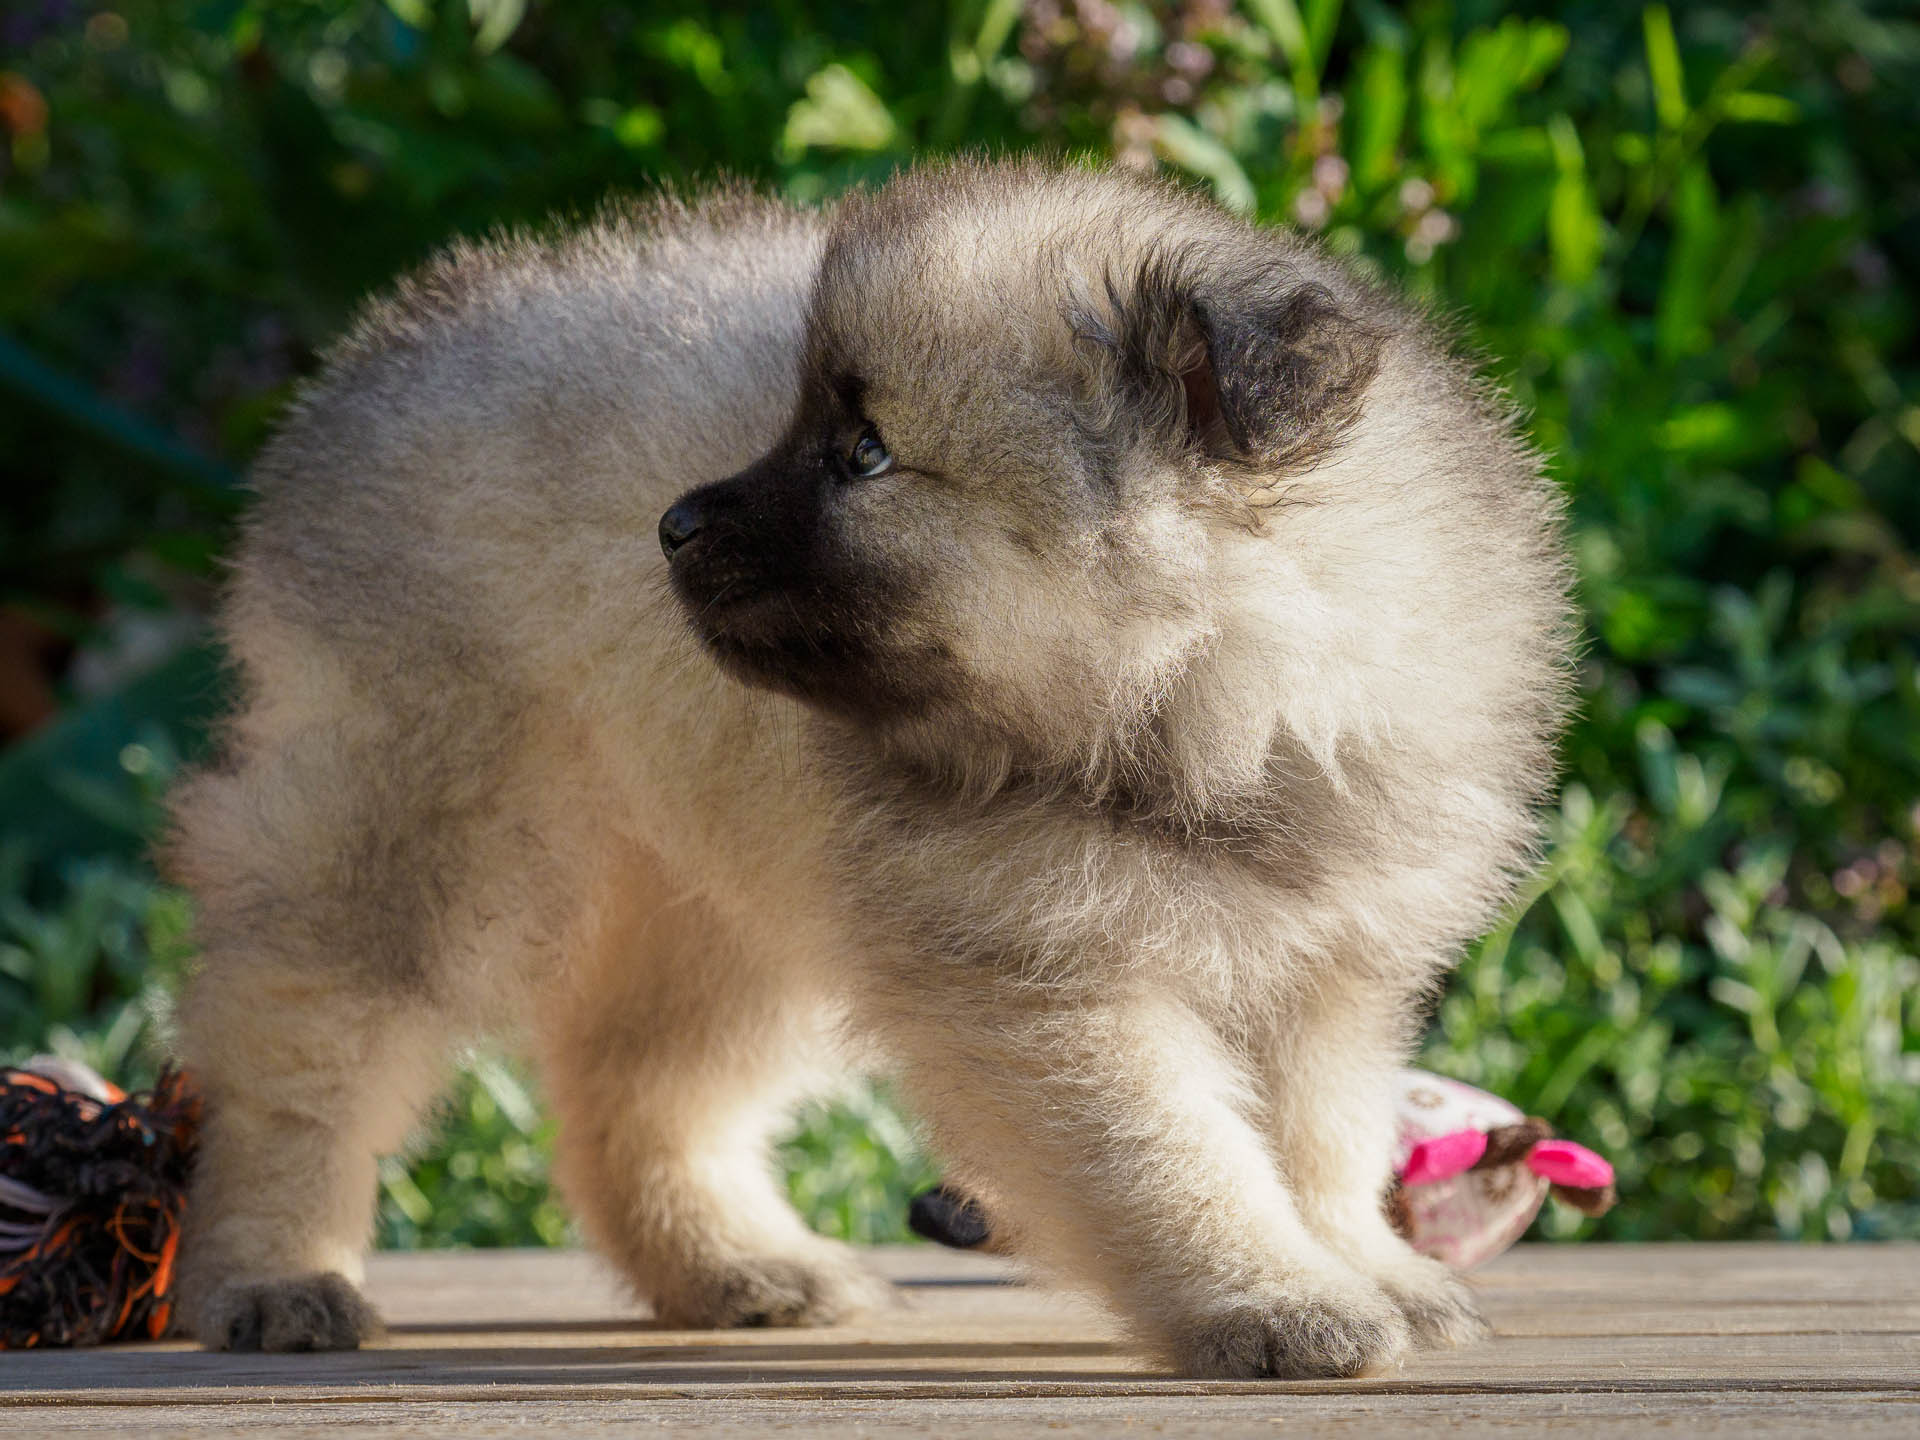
92 1190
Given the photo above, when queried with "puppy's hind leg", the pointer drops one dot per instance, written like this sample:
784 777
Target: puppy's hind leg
1331 1082
671 1056
306 1083
325 879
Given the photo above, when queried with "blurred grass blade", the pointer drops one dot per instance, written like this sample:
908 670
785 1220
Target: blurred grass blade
1282 20
1379 111
1752 107
1694 260
1193 149
1663 67
1322 19
970 60
1575 231
969 55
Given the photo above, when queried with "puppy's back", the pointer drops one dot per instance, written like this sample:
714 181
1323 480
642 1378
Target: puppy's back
491 446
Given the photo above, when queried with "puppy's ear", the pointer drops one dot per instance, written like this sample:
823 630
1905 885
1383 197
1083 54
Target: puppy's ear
1260 370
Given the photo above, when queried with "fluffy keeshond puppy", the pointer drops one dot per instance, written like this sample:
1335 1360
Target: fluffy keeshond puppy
1022 629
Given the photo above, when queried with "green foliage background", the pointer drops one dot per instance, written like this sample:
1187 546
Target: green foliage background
1688 243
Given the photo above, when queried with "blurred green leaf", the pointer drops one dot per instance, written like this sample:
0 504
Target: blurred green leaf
839 112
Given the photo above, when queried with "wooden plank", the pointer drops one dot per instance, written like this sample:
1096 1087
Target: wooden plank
1813 1329
1715 1274
1864 1416
1603 1290
631 1365
552 1285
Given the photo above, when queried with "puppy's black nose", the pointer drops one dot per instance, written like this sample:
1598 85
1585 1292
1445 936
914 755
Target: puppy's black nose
679 525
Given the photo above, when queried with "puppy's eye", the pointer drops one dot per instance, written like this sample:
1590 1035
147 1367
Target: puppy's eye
869 457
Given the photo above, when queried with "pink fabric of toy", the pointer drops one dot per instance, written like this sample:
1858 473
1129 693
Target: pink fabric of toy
1443 1157
1461 1204
1564 1163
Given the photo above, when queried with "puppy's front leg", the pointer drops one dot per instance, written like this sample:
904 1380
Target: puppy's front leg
1330 1082
1112 1135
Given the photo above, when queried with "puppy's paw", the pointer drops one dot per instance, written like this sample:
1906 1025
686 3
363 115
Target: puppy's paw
1311 1335
1441 1309
819 1288
306 1312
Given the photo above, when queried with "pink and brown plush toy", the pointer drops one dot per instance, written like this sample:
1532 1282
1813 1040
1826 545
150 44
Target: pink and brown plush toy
1471 1172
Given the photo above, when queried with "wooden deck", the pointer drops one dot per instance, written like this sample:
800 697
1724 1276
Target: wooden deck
1590 1341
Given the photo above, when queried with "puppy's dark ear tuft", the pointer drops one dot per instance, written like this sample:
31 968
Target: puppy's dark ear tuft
1291 370
1265 370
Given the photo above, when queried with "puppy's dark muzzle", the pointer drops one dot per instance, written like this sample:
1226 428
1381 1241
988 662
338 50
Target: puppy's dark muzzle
776 597
733 542
760 512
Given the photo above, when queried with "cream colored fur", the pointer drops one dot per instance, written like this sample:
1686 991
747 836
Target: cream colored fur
484 780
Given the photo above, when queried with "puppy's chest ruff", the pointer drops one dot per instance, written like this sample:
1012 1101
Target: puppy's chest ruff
1053 886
